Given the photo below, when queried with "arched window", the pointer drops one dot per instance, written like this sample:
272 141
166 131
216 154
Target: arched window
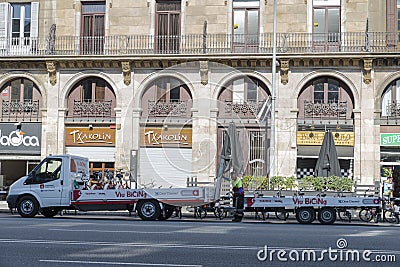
391 99
91 97
167 96
325 98
20 90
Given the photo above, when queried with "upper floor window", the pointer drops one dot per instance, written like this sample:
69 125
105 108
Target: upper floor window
398 18
19 21
93 28
326 23
168 26
246 22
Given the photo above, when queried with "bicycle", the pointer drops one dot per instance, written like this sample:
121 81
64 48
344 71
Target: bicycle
281 213
344 214
389 215
370 214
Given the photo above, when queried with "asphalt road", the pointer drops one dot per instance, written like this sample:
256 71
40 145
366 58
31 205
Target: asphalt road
128 241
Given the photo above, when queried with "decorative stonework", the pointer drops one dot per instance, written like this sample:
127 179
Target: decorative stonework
367 70
52 70
126 70
284 71
204 72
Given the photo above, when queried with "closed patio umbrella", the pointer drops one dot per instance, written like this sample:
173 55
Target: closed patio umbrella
328 162
231 158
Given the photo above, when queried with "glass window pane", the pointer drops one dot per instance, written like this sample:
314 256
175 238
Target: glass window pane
251 91
15 26
94 7
239 21
252 26
27 11
28 89
319 24
27 28
16 11
16 90
238 91
87 90
333 20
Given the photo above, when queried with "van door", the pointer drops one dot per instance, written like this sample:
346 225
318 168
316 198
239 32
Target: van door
46 181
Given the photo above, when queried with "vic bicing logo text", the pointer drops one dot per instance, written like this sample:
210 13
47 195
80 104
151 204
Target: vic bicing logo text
17 139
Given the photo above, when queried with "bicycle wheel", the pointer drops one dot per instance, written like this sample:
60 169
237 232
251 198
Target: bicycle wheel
389 216
343 215
281 215
201 212
219 213
365 215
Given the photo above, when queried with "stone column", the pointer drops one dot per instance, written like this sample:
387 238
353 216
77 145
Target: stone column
61 130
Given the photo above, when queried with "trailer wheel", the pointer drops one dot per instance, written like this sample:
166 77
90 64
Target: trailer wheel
49 212
166 213
27 206
327 216
305 215
149 210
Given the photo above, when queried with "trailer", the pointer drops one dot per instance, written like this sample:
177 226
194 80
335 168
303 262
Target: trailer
309 207
60 182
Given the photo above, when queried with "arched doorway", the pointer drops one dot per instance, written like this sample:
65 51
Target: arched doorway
90 123
165 154
389 139
240 100
20 103
324 104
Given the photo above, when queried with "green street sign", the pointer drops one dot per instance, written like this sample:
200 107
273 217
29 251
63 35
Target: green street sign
390 139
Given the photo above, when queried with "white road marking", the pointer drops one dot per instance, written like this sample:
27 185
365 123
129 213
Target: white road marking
122 263
107 231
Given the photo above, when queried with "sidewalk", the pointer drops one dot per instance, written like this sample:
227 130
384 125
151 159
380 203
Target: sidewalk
4 206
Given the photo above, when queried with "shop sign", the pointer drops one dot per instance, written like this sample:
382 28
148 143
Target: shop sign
28 139
390 139
160 137
82 136
314 138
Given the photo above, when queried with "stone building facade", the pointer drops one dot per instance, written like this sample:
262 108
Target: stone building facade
150 86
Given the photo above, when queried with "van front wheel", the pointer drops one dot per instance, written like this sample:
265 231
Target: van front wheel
27 207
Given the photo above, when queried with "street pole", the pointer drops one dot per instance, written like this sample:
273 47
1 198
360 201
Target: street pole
273 93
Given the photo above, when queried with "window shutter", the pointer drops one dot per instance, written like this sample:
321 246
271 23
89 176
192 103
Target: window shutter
34 19
5 17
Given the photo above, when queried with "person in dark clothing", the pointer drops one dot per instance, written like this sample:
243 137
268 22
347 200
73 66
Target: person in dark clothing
238 198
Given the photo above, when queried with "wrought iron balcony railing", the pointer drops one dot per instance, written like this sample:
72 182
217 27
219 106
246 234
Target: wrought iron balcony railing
325 111
246 109
91 109
209 44
27 110
393 110
168 109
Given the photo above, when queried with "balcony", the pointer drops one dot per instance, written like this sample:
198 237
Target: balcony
168 109
207 44
325 111
245 110
88 110
27 110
